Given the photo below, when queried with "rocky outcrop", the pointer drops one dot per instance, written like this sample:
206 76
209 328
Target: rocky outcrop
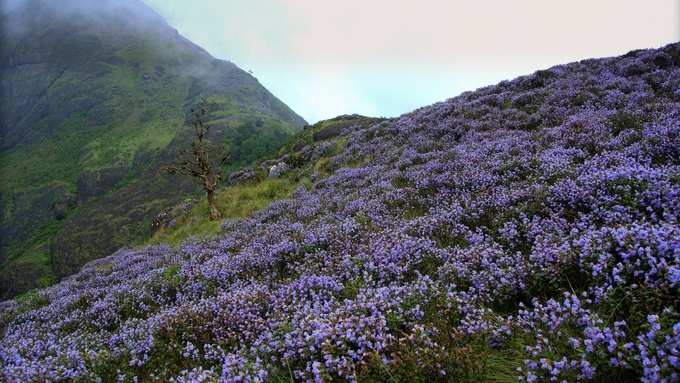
278 170
32 208
93 183
242 176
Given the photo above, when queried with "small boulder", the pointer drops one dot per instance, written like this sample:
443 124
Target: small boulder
230 224
160 220
184 207
242 176
320 150
305 152
266 165
278 169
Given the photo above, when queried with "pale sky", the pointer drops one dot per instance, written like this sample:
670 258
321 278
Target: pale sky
387 57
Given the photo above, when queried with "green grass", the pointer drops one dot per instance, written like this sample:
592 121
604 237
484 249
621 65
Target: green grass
61 154
52 158
237 201
146 117
120 146
248 134
240 201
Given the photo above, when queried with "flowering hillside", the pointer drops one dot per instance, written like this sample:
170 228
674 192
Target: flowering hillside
525 231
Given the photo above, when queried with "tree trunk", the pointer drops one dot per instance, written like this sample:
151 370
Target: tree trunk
214 213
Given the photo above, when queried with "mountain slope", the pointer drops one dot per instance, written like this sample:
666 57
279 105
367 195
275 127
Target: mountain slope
525 229
94 100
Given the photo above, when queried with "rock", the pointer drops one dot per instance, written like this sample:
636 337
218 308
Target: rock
242 176
266 165
329 132
298 145
160 220
230 224
167 218
320 150
305 153
299 158
278 169
185 206
94 183
62 205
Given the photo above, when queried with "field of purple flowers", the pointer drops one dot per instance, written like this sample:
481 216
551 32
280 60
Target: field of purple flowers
525 231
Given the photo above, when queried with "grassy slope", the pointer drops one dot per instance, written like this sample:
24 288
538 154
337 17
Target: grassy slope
237 201
241 200
74 148
146 116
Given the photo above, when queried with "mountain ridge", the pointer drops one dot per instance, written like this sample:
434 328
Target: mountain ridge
97 95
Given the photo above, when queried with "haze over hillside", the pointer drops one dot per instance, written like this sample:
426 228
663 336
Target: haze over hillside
94 97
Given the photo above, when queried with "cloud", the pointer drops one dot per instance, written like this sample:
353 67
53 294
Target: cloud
386 57
21 16
455 31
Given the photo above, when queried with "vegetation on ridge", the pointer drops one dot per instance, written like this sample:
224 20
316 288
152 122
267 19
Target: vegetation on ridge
197 163
241 199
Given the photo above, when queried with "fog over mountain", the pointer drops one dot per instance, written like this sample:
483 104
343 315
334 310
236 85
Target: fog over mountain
385 58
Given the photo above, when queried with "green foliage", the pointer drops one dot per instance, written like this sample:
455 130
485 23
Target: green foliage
236 201
627 190
623 121
171 276
326 130
457 358
241 200
362 219
31 300
26 272
124 110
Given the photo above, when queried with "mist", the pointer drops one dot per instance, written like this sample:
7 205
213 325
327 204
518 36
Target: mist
21 15
384 58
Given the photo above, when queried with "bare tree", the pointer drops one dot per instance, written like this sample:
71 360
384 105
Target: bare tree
196 162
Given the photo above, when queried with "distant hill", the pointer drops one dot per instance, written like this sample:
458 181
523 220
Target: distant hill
94 98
